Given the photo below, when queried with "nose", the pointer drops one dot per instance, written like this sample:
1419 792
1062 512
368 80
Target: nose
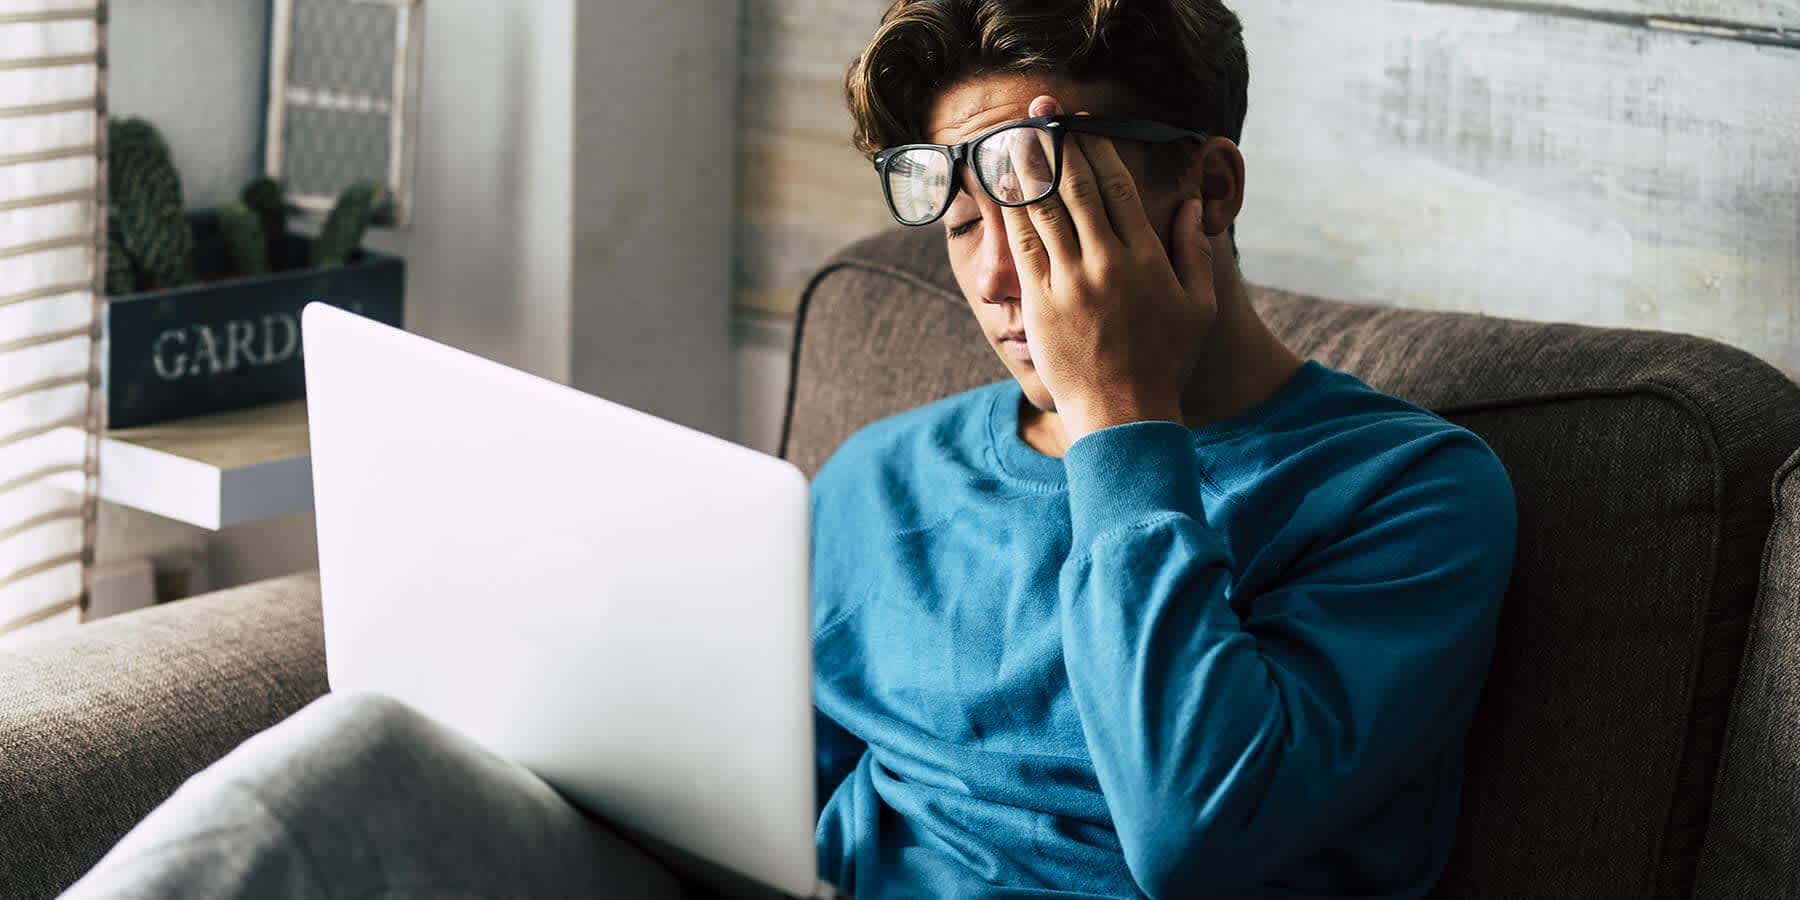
997 279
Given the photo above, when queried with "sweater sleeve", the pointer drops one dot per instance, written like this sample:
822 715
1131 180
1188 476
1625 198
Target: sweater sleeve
1233 734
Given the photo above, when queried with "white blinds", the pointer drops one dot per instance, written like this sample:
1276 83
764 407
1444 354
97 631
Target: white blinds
52 77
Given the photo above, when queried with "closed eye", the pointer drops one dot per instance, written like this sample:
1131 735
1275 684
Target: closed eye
964 228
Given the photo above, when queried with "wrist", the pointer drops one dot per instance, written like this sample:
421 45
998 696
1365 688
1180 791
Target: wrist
1127 475
1083 416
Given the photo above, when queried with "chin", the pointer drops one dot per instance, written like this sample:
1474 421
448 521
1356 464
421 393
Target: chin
1034 389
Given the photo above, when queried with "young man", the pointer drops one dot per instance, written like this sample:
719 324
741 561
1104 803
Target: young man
1170 612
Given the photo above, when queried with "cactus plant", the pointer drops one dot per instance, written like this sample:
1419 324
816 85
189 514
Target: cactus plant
144 193
343 230
265 197
149 241
121 277
242 229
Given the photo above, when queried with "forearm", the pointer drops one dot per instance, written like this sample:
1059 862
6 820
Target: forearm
1152 647
1205 765
1231 733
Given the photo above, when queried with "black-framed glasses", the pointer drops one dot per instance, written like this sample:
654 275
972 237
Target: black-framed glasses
1016 164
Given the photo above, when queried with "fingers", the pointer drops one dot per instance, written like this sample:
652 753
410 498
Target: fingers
1081 196
1030 175
1031 259
1116 190
1031 253
1190 249
1031 171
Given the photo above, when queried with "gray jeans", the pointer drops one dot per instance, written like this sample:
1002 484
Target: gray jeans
358 796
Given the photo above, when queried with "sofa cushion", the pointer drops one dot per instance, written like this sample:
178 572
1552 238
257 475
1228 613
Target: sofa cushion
1753 842
99 725
1640 460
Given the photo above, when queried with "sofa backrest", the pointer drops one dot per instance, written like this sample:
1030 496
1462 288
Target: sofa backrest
1753 842
1641 461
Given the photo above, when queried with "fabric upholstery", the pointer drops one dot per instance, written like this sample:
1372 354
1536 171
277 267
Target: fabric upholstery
1753 844
99 725
1641 462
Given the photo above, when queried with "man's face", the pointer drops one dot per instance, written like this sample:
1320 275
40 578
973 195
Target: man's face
975 229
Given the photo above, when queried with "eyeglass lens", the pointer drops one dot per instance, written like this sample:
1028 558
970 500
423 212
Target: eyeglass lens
1015 166
918 184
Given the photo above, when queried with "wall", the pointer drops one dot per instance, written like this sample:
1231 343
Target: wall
195 70
1613 162
489 250
571 218
1539 165
803 190
652 185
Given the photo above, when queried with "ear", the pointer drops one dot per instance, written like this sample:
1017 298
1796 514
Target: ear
1221 184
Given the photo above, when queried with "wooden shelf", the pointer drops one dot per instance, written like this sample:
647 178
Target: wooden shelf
211 471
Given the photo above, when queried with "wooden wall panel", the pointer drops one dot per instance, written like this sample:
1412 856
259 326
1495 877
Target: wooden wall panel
1533 161
1525 165
1765 14
803 191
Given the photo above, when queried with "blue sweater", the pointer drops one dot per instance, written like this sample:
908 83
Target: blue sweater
1234 661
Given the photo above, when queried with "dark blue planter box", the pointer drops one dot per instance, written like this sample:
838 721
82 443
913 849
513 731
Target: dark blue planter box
214 346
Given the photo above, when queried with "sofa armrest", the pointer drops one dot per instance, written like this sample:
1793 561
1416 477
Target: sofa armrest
99 725
1753 835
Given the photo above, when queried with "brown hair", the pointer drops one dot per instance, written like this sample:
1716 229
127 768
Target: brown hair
1183 60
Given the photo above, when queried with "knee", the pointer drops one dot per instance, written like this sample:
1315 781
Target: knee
363 733
337 742
366 723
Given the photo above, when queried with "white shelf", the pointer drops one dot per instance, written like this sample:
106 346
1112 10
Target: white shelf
211 471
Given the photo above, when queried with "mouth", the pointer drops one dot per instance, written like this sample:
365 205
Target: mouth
1015 346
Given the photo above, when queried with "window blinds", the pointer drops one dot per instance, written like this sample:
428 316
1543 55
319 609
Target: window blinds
52 164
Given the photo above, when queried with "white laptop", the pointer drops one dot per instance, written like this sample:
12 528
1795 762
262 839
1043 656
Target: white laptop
615 601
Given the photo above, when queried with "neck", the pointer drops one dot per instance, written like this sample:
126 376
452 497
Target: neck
1241 364
1241 361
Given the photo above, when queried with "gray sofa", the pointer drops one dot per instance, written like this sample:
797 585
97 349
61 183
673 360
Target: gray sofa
1639 735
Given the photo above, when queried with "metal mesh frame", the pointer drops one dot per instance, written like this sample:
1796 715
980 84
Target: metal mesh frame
343 98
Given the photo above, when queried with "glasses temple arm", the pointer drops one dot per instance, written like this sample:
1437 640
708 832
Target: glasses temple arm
1129 129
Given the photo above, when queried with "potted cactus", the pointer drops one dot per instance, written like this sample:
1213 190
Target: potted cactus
203 307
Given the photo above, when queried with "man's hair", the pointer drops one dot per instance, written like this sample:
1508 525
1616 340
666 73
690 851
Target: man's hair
1182 61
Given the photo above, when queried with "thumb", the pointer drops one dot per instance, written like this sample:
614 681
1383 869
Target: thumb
1191 249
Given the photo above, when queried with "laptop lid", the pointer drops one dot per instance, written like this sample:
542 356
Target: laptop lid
615 601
